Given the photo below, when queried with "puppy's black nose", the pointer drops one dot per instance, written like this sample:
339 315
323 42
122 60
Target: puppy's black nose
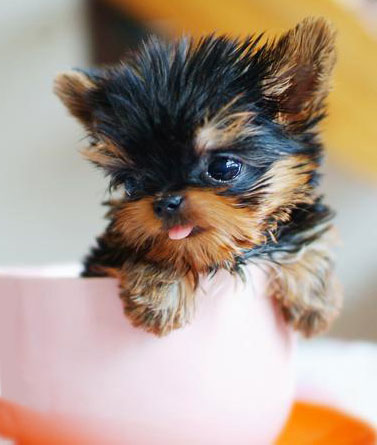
167 206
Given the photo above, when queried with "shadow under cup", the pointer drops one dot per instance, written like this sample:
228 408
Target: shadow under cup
67 349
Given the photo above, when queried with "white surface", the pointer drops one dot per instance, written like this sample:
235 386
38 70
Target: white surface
344 374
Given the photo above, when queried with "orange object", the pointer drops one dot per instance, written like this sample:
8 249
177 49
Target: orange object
307 425
319 425
27 427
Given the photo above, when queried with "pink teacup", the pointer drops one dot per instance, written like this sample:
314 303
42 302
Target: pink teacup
66 348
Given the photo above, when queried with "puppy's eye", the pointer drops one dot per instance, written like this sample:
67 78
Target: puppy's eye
224 169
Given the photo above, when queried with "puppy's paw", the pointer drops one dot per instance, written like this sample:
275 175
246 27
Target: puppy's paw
157 300
155 308
309 321
307 288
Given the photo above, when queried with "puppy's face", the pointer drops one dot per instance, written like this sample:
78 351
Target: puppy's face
212 142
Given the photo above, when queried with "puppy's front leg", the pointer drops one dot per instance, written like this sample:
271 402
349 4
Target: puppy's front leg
156 299
307 289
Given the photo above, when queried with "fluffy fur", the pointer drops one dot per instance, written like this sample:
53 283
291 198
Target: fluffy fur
161 119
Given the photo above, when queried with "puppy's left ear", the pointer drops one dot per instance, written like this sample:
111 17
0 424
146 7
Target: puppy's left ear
300 68
74 88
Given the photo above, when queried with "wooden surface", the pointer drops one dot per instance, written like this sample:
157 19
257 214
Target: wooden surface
350 131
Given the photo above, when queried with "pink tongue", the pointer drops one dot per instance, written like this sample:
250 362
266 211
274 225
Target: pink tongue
180 232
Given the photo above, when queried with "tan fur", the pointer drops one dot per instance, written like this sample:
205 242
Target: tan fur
158 299
225 226
225 229
302 63
306 287
224 128
287 186
283 187
107 155
71 88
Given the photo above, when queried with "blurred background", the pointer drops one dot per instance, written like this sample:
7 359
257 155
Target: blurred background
50 198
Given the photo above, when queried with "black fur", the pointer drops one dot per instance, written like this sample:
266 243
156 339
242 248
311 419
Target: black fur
151 107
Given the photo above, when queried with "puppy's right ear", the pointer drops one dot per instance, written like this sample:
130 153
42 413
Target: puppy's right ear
74 88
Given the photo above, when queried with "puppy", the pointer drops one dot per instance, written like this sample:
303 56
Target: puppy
215 147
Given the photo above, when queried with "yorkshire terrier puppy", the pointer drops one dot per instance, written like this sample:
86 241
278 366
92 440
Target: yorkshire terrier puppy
215 146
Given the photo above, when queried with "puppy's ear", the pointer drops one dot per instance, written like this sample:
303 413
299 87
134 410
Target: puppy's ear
301 64
73 88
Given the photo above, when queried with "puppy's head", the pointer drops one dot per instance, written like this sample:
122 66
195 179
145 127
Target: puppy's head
212 142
